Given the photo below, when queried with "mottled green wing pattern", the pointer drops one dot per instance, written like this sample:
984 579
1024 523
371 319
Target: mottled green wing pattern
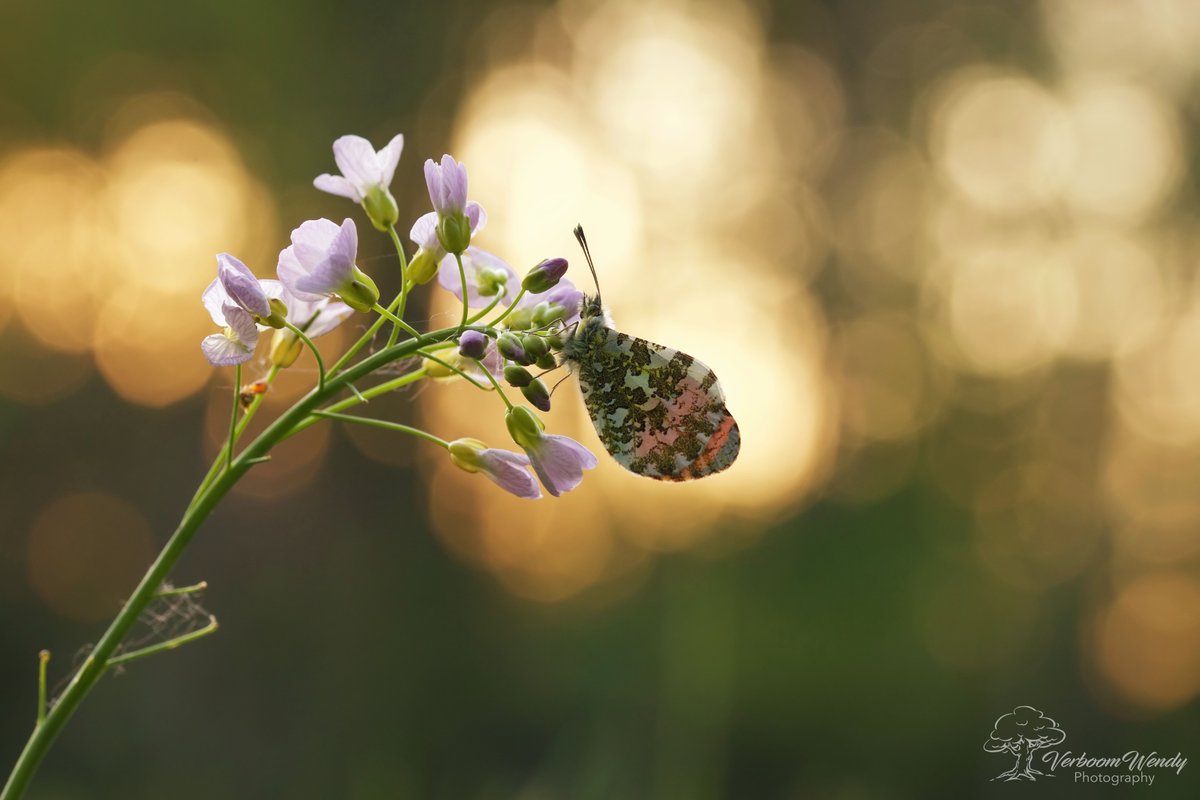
658 412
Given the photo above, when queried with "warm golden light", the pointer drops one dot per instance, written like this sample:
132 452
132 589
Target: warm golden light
85 551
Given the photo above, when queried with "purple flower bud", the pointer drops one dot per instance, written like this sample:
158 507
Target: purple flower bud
517 376
472 344
544 276
506 469
537 394
510 347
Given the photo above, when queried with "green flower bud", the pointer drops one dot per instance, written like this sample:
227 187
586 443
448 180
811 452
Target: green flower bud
465 454
520 319
381 208
285 348
523 426
361 293
537 394
491 282
454 232
278 314
555 342
510 347
544 276
517 376
423 267
544 313
546 361
534 345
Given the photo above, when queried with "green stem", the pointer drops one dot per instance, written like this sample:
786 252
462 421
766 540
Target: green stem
316 353
99 659
219 462
454 369
43 660
386 425
362 397
510 308
495 383
462 276
401 302
170 644
399 323
480 315
195 587
237 401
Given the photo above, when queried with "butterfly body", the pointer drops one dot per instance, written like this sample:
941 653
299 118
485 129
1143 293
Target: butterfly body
659 412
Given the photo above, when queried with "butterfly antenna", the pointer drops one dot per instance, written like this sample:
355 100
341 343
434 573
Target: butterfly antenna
588 255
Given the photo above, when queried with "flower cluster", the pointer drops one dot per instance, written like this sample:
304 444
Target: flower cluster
319 285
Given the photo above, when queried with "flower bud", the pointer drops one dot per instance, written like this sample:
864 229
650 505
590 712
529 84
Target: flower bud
423 267
436 369
360 293
491 282
517 376
381 208
537 394
544 313
523 426
555 342
454 232
465 454
534 345
510 347
277 317
547 361
285 348
544 276
521 319
472 344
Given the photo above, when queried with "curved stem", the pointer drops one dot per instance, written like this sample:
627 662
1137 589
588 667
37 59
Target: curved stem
383 312
237 400
511 307
102 654
480 315
462 275
386 425
495 383
316 353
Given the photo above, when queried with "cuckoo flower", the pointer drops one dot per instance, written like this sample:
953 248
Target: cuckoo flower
505 469
320 263
538 310
488 277
239 303
457 218
559 461
366 176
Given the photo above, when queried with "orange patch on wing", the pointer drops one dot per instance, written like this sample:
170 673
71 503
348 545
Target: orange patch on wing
715 446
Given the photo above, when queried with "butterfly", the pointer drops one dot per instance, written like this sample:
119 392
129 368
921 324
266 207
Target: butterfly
659 412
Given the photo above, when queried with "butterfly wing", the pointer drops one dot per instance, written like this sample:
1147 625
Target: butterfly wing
658 412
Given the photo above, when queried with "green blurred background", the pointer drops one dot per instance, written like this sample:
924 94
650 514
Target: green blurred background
941 254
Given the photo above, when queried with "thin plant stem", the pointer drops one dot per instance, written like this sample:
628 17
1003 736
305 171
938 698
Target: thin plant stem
386 425
233 414
175 592
219 462
462 276
455 370
383 312
401 302
481 314
316 353
511 307
94 666
43 660
162 647
495 383
362 397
